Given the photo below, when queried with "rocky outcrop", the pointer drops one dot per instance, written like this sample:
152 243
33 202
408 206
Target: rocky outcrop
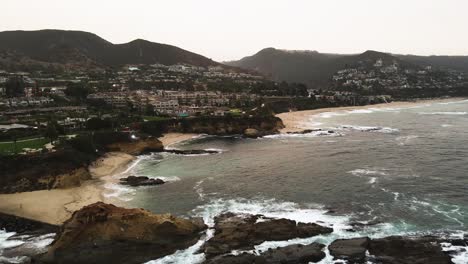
64 168
11 223
252 133
245 231
224 125
407 250
191 151
353 250
104 233
293 254
137 147
390 250
140 181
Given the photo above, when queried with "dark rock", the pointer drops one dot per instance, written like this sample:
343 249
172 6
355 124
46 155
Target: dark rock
191 152
245 231
140 181
459 242
243 258
11 223
293 254
353 250
407 250
104 233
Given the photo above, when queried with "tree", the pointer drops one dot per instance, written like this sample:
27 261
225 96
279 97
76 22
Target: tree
51 132
14 87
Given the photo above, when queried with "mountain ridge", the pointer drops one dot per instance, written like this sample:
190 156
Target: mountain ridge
315 69
85 48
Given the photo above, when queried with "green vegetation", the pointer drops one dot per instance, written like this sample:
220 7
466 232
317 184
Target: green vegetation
155 118
8 148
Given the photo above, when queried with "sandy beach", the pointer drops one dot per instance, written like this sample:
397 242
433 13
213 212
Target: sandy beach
173 138
56 206
294 121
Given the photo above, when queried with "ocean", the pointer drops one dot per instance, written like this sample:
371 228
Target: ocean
377 171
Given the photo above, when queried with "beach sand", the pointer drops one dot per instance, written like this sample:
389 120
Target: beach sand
173 138
56 206
297 121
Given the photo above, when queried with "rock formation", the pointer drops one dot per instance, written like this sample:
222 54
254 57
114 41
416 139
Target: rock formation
252 133
104 233
140 181
390 250
137 147
292 254
245 231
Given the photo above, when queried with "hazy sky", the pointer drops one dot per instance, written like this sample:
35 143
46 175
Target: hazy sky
226 30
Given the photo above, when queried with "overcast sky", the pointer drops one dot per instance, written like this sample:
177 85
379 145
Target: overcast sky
227 30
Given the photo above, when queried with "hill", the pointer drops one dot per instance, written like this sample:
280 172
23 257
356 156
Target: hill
77 48
316 69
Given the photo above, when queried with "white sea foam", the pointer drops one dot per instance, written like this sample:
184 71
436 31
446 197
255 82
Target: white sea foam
331 114
6 243
313 134
405 140
368 129
8 240
443 113
118 191
459 255
368 172
446 125
362 111
372 180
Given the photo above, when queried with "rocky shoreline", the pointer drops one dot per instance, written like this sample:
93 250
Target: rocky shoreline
104 233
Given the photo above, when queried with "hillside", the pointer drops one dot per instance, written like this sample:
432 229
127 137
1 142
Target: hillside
316 69
77 48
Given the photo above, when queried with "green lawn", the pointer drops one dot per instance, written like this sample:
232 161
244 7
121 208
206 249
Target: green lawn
7 148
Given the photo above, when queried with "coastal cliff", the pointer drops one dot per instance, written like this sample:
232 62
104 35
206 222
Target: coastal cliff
68 166
226 125
104 233
61 169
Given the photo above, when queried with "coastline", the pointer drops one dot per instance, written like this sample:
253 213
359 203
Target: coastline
294 121
174 138
57 205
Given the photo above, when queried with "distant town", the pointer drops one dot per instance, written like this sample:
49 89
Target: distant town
64 103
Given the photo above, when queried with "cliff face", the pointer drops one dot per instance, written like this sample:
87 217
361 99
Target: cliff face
137 147
215 125
61 169
104 233
65 168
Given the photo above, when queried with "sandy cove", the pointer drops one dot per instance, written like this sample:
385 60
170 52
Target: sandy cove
296 121
55 206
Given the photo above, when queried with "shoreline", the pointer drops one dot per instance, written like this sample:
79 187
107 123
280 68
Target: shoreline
294 121
57 205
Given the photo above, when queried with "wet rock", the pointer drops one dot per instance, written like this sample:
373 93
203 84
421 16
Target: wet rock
104 233
191 152
11 223
140 181
293 254
305 131
237 259
353 250
252 133
245 231
407 250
